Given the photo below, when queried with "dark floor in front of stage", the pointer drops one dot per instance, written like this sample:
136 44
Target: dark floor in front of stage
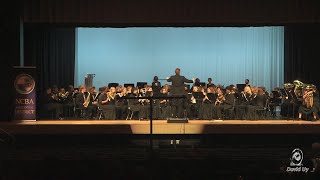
129 157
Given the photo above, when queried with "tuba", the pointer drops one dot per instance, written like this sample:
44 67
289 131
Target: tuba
298 88
308 95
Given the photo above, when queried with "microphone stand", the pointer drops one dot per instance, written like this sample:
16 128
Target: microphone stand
151 109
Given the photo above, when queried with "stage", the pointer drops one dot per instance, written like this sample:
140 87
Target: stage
56 127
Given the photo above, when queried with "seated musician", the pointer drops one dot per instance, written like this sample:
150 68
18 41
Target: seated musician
134 104
62 95
198 95
275 100
82 101
145 108
156 108
55 90
243 101
68 104
50 103
129 90
208 102
93 104
224 103
309 103
289 103
106 102
258 101
164 112
121 103
156 86
210 84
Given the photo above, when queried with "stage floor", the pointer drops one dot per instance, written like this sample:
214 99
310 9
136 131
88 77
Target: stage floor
161 127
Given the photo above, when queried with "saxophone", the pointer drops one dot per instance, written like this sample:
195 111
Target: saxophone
87 101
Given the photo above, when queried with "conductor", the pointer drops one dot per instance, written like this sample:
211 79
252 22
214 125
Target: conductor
177 88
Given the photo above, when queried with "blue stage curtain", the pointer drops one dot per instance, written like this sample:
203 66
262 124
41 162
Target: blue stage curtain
227 54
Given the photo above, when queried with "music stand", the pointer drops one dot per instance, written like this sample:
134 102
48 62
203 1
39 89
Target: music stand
276 94
283 91
101 89
128 84
113 85
241 87
198 95
188 87
275 101
203 84
141 84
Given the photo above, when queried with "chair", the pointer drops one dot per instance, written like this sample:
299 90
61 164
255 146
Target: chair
229 114
100 113
261 113
130 112
77 110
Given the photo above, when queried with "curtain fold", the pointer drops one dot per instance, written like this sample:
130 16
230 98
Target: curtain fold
52 51
227 54
302 53
225 12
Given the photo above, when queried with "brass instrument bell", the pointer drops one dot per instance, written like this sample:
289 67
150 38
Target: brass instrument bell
298 88
288 85
298 83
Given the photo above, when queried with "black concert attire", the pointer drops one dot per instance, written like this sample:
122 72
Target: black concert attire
210 85
145 106
309 108
257 102
177 88
188 104
51 105
208 106
165 108
197 106
108 108
226 105
289 104
196 83
83 112
275 100
68 105
155 105
134 106
243 101
156 87
93 107
121 106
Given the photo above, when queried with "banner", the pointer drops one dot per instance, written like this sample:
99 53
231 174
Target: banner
25 93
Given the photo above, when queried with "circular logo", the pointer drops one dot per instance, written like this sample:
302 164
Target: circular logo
296 157
24 84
